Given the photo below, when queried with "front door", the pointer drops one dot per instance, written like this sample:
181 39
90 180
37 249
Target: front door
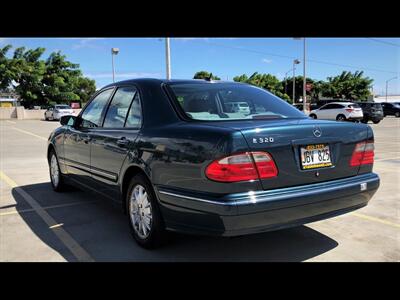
111 142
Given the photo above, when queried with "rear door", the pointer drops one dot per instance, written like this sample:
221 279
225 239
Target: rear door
110 142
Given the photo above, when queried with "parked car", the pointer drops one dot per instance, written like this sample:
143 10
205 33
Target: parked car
372 111
192 166
55 112
320 103
339 111
391 109
300 106
241 107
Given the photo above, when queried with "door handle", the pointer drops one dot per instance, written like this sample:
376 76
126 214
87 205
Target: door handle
122 142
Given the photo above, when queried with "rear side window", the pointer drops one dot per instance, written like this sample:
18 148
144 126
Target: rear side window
134 119
118 108
230 101
354 106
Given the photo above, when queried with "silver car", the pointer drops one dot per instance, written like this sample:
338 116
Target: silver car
57 111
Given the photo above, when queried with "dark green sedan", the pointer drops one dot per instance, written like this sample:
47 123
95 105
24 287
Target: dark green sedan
178 155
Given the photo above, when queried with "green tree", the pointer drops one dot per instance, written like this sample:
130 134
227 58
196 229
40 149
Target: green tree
6 75
288 83
204 75
39 82
265 81
351 86
28 72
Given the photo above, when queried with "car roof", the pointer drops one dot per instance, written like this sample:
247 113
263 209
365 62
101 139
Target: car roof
171 81
344 103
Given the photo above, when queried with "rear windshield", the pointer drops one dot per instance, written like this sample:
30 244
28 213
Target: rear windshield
230 101
62 107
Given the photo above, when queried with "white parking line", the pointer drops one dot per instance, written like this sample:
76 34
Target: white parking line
73 246
30 133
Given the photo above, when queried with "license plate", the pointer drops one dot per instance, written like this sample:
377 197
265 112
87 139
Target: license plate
315 156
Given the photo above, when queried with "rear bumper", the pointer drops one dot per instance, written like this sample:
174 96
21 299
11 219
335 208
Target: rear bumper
253 212
355 118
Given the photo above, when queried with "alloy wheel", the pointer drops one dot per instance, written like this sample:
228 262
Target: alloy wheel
140 211
54 171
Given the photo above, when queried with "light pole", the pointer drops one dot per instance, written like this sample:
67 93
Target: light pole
286 79
304 76
114 51
387 81
168 58
295 62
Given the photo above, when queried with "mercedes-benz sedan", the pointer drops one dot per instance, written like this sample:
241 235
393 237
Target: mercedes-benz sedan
176 157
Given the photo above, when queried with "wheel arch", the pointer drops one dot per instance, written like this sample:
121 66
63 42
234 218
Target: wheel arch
130 172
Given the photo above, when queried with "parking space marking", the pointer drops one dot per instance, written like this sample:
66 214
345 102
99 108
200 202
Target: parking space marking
13 212
12 122
377 220
79 253
30 133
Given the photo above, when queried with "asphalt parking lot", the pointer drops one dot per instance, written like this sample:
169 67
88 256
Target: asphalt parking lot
37 224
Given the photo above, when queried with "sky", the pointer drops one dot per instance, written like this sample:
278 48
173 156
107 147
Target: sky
379 58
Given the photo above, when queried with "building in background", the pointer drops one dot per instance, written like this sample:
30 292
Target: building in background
390 98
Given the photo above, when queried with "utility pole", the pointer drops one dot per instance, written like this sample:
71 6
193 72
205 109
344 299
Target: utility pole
168 58
295 62
304 76
114 51
387 81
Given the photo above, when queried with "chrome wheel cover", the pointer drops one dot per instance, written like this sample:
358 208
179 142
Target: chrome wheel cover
140 211
54 171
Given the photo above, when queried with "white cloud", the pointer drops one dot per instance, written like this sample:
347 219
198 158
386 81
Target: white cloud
123 75
266 60
86 43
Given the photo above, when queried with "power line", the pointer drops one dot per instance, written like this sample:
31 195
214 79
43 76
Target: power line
384 42
292 57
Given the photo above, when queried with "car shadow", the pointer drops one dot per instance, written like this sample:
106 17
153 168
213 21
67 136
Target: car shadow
100 228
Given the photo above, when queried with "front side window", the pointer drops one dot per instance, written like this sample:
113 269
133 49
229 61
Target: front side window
327 106
119 106
230 101
91 116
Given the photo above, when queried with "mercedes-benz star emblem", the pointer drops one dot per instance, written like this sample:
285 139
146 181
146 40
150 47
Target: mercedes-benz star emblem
317 131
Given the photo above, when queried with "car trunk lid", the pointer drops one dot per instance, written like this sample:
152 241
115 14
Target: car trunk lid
284 138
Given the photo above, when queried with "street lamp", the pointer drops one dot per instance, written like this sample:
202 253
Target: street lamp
387 81
168 58
114 51
304 73
285 78
295 62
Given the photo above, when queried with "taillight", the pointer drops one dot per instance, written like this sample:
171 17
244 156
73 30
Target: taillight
363 154
349 110
242 167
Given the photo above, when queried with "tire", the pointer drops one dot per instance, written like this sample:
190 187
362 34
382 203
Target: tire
314 116
376 121
54 167
397 114
341 118
141 201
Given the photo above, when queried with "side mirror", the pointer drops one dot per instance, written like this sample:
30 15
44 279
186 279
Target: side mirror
68 120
